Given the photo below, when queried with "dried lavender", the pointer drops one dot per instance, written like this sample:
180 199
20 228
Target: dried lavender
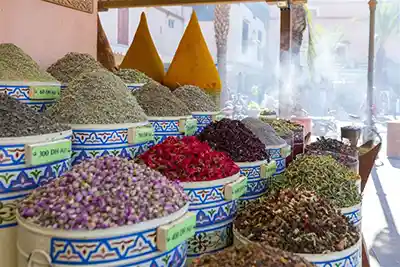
132 76
263 131
324 175
296 221
102 193
72 65
333 145
158 101
16 65
97 98
235 139
195 99
17 120
251 255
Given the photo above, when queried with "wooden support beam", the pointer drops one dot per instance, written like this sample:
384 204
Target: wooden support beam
106 4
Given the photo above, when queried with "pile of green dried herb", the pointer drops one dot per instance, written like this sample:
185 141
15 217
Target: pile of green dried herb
263 131
329 144
97 97
195 99
341 158
281 127
72 65
17 120
251 255
132 76
158 101
297 221
16 65
324 175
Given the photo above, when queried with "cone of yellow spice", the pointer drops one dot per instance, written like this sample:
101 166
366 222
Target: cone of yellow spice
142 55
193 63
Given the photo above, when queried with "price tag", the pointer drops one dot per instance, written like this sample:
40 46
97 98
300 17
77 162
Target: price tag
173 234
286 151
236 189
37 154
44 92
139 135
190 127
219 117
267 170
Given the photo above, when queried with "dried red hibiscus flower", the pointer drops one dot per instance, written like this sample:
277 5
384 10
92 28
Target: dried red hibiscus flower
189 160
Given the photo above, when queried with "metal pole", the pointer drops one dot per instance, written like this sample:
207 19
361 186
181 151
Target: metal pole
371 56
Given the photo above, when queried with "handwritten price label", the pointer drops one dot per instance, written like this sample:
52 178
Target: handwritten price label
173 234
44 92
268 169
37 154
140 135
286 151
236 189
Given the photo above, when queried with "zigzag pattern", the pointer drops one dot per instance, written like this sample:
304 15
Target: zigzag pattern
256 187
18 92
31 177
215 214
167 126
102 137
203 120
12 155
251 172
201 196
351 260
354 216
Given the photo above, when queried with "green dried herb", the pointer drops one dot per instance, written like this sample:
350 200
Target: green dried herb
282 127
72 65
263 131
18 119
158 101
297 221
132 76
324 175
251 255
97 97
15 65
195 99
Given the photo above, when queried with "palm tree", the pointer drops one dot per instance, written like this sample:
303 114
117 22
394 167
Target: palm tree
221 28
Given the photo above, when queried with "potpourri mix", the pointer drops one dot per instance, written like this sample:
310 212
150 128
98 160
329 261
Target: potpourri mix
251 255
296 221
103 193
18 119
97 97
333 145
324 175
235 139
189 160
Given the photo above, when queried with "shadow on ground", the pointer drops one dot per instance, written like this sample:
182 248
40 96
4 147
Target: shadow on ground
386 245
395 163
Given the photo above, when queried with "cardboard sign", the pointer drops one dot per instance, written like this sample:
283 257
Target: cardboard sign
37 154
236 189
140 135
267 170
286 151
44 92
173 234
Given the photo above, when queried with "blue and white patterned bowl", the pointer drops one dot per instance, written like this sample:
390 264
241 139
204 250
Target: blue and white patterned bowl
167 126
275 152
214 216
353 213
93 141
131 245
204 119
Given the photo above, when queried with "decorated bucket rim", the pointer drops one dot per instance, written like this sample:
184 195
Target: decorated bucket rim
351 208
29 83
276 146
217 182
252 163
134 84
108 126
308 256
109 232
205 113
172 118
33 139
